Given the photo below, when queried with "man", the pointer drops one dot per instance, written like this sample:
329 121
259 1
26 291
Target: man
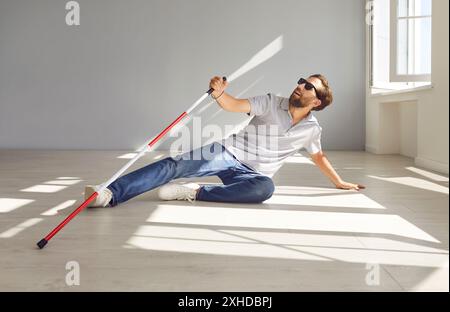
245 162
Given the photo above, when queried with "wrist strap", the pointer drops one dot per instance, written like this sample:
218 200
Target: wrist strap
215 98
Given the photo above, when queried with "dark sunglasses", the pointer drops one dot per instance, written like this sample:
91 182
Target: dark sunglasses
308 85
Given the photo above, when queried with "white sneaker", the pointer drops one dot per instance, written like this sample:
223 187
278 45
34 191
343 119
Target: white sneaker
174 191
103 198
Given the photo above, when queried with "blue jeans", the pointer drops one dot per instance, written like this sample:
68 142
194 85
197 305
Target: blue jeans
241 184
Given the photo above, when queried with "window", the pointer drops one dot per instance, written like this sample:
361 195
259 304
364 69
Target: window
400 44
410 40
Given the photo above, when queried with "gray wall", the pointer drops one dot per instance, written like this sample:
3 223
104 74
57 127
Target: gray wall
133 66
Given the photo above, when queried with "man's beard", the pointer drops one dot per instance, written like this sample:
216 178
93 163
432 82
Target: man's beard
295 102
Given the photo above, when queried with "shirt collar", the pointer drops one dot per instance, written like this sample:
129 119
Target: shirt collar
284 105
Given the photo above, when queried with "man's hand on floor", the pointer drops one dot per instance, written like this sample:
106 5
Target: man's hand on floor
349 186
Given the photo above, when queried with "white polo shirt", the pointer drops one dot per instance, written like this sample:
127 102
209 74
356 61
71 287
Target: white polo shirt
269 138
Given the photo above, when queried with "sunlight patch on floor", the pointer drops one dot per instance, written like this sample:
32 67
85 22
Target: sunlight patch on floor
220 248
54 211
288 219
436 281
307 190
351 200
41 188
428 174
379 256
127 156
20 227
10 204
396 245
283 245
205 241
415 182
63 182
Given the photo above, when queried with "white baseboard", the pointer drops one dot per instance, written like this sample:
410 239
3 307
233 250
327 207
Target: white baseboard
431 165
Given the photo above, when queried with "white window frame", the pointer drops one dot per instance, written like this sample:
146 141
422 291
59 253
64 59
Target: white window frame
393 75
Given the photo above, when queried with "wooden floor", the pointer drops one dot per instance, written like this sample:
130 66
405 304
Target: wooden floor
309 236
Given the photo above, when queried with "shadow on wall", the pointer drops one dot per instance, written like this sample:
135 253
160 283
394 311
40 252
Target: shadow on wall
210 114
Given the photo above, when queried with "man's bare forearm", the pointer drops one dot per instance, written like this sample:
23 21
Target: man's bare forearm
326 168
231 104
324 165
226 101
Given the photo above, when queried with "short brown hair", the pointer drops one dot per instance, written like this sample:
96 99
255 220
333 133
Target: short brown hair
325 94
